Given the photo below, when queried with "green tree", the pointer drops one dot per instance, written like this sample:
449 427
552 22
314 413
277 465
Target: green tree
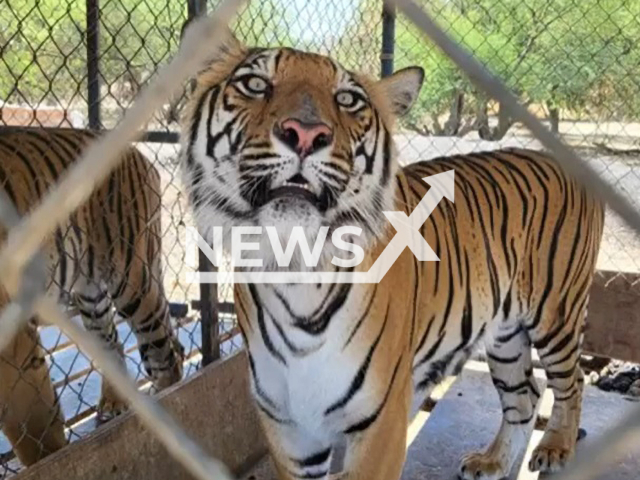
571 56
589 62
43 42
42 48
358 48
503 35
264 23
575 57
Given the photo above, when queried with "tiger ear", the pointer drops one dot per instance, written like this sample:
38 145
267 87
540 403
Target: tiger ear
229 47
402 88
184 27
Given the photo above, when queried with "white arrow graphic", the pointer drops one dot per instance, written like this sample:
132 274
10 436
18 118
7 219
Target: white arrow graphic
407 235
408 228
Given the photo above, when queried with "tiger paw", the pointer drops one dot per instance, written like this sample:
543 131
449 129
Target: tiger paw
480 466
549 458
110 409
111 405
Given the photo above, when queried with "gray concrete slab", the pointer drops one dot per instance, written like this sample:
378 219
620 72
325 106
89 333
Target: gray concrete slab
213 406
468 415
600 412
465 420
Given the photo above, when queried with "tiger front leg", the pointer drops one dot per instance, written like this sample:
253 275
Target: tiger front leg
379 452
509 359
111 404
369 448
96 311
140 299
295 453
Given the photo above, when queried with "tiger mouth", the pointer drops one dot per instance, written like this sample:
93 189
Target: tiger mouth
298 187
292 190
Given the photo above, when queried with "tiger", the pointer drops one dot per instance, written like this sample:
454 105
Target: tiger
106 254
281 137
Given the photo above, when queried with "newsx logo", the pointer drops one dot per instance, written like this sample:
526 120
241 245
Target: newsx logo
407 235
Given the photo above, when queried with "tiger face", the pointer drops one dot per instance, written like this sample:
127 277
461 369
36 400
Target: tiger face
287 139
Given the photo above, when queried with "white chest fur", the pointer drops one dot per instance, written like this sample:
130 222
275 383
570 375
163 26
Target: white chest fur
299 375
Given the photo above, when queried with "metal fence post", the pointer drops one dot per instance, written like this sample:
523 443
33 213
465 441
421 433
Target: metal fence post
209 314
93 63
196 7
388 40
208 291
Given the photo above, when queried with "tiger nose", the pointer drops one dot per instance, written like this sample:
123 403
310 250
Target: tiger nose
304 138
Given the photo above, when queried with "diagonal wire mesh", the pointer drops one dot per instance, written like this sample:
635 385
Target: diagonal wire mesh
494 88
68 195
133 33
570 63
44 67
593 460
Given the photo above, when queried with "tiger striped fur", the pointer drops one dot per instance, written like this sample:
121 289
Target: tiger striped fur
279 137
107 254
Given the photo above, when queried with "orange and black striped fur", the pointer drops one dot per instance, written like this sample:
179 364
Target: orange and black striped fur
279 137
107 254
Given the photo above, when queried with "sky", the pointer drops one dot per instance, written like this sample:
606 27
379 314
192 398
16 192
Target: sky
320 18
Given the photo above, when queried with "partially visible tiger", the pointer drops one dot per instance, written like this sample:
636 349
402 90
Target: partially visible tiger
280 137
108 253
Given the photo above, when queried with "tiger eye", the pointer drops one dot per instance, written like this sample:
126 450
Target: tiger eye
257 84
345 99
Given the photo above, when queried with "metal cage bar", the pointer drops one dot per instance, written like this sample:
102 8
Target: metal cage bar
93 63
388 40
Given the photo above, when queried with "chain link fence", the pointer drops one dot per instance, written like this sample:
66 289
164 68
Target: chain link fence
81 64
77 65
571 62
